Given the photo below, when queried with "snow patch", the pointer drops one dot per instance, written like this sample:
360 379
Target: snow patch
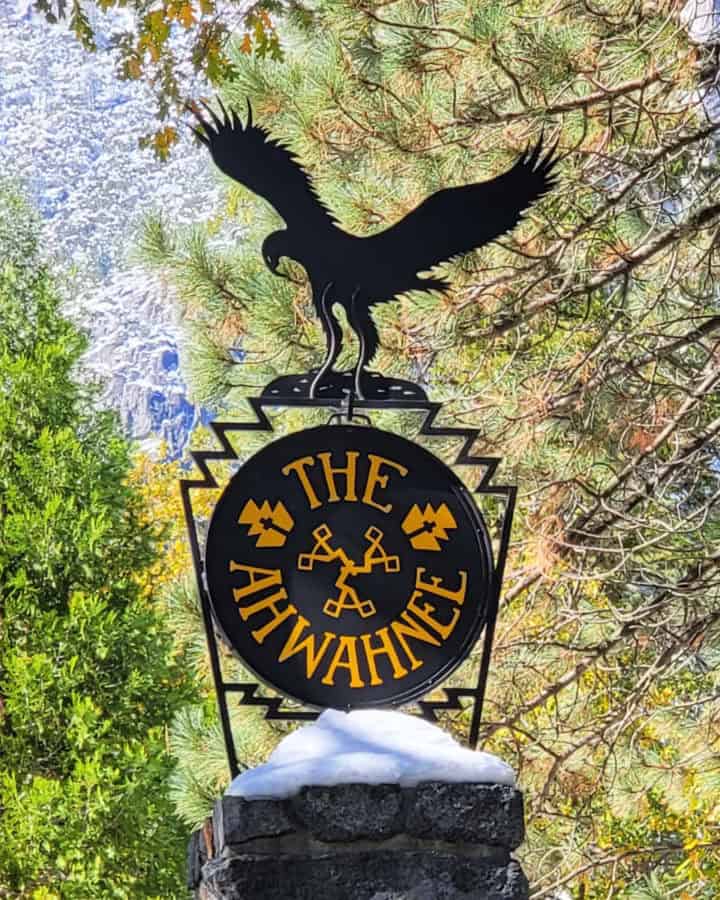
367 747
702 19
69 132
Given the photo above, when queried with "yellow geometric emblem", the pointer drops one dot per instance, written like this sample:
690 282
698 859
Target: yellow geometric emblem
348 599
426 528
271 525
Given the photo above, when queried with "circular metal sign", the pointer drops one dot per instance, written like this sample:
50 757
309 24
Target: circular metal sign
348 567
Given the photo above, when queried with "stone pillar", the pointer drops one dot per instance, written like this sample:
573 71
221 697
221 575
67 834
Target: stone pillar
436 841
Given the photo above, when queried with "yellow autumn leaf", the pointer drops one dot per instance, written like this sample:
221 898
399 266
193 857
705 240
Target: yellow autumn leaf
156 19
159 484
163 141
133 68
186 15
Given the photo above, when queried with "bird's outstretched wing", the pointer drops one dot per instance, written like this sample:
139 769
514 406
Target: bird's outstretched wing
457 220
248 154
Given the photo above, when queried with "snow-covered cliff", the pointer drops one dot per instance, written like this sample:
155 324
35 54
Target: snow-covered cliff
69 132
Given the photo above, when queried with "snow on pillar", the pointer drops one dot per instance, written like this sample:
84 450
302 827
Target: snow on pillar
365 805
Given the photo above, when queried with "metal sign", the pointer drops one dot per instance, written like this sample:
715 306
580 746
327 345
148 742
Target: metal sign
348 567
378 546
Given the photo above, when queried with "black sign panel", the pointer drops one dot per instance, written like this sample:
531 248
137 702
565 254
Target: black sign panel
348 567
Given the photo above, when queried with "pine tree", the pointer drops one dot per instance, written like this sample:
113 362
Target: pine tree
88 680
584 346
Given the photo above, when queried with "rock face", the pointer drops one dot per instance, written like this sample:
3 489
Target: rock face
69 131
435 841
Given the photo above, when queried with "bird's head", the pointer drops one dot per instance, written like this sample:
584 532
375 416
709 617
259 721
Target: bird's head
274 246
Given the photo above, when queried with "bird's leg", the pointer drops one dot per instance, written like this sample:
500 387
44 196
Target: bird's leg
364 327
360 366
333 338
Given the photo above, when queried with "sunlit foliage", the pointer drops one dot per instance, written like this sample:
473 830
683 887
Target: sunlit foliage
88 678
585 348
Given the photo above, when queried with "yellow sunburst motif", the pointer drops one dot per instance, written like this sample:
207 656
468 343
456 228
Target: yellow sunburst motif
271 525
427 527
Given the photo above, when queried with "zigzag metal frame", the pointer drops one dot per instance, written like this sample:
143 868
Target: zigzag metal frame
273 705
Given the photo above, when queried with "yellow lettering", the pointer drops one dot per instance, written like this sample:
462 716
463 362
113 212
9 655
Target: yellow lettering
348 471
298 466
408 627
434 586
278 615
294 645
425 612
261 633
375 479
345 658
388 650
270 578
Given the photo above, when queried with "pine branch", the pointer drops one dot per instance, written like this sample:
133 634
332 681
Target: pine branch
582 388
622 268
604 95
580 529
615 858
692 579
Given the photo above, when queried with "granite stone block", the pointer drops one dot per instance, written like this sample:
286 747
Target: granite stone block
473 813
436 841
236 821
350 811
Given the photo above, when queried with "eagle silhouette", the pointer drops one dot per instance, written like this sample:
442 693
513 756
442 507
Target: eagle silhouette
358 272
